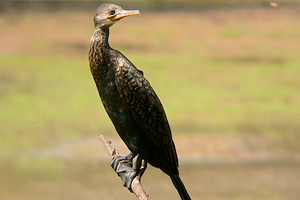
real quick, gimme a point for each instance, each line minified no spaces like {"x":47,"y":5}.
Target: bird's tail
{"x":180,"y":187}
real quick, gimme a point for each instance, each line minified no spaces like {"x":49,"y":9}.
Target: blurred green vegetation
{"x":150,"y":5}
{"x":218,"y":73}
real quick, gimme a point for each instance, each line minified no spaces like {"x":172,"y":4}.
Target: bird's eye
{"x":112,"y":12}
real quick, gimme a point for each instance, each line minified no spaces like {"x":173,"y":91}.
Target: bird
{"x":131,"y":103}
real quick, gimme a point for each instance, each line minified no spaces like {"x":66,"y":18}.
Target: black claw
{"x":121,"y":171}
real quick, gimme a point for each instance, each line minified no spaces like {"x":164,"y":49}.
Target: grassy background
{"x":228,"y":79}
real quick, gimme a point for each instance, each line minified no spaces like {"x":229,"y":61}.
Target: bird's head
{"x":107,"y":14}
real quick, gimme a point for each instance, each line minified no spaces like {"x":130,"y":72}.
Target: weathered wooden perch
{"x":136,"y":185}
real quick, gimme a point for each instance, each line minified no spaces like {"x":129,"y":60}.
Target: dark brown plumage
{"x":129,"y":99}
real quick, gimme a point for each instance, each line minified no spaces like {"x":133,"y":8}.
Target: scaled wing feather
{"x":147,"y":110}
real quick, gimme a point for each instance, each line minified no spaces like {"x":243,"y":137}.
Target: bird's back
{"x":136,"y":111}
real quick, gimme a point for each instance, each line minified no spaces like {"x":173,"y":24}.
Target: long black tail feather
{"x":180,"y":187}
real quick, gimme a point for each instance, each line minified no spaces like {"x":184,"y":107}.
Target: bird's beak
{"x":123,"y":13}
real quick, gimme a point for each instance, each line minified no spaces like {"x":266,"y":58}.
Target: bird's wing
{"x":147,"y":110}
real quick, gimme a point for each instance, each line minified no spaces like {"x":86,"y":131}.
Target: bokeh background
{"x":227,"y":72}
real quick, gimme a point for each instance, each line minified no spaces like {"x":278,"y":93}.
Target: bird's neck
{"x":99,"y":49}
{"x":100,"y":38}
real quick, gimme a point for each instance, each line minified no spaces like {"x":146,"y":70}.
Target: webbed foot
{"x":123,"y":165}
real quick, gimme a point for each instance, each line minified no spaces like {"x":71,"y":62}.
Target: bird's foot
{"x":123,"y":165}
{"x":122,"y":160}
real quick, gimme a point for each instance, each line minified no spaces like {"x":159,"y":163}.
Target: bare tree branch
{"x":136,"y":185}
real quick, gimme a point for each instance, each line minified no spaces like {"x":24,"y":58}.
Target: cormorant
{"x":131,"y":103}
